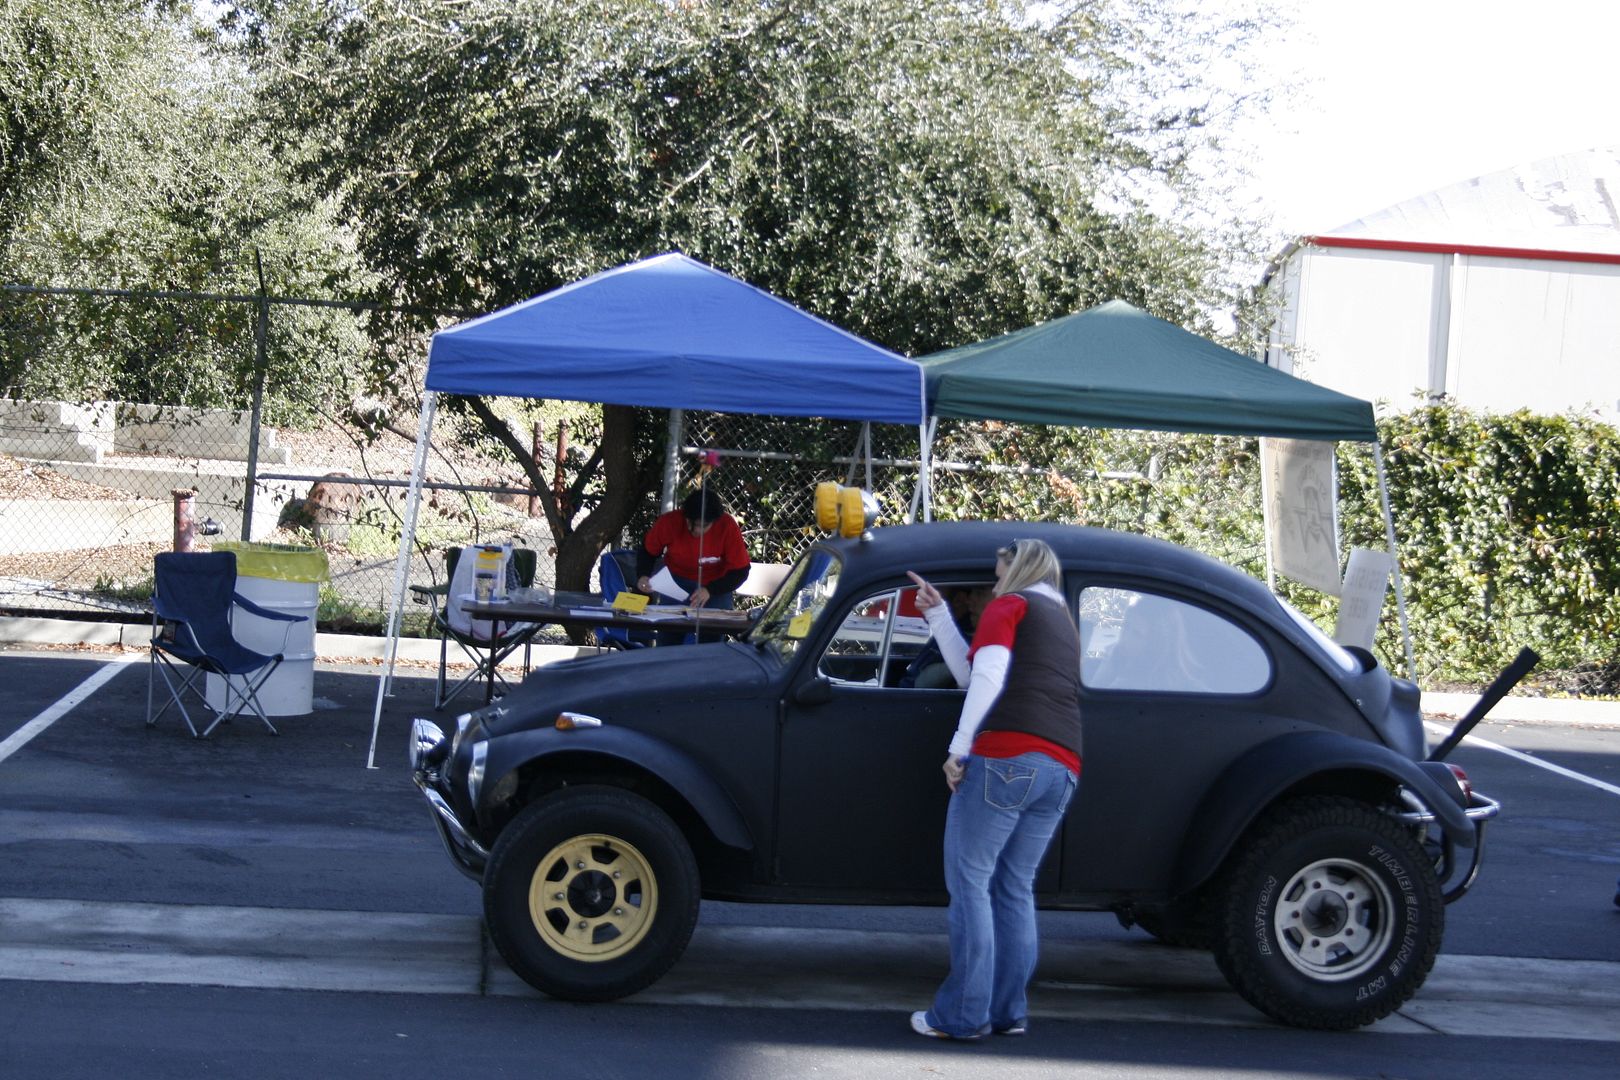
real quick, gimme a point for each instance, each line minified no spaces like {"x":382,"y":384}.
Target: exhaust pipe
{"x":1507,"y":680}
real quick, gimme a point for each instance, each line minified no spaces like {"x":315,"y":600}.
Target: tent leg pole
{"x":854,"y":460}
{"x":925,"y":467}
{"x":866,"y":444}
{"x":1265,"y":515}
{"x":407,"y":540}
{"x":672,"y":458}
{"x":922,"y":473}
{"x":1394,"y":560}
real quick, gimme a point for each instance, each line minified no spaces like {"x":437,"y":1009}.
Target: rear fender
{"x":636,"y":749}
{"x":1255,"y":780}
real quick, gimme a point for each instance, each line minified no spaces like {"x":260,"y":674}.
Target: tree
{"x":922,"y":172}
{"x":125,"y":162}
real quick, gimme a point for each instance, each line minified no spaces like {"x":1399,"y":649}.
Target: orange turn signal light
{"x":570,"y":721}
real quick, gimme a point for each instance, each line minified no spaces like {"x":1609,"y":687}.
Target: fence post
{"x":672,"y":460}
{"x":260,"y":331}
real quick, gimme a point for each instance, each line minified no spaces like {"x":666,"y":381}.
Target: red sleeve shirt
{"x":999,"y":623}
{"x":718,"y":552}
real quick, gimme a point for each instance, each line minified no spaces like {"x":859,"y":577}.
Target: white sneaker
{"x":920,"y":1024}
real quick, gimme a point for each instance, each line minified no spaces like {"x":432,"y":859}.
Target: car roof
{"x":944,"y":545}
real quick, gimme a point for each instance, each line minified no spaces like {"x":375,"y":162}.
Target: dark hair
{"x":702,"y":506}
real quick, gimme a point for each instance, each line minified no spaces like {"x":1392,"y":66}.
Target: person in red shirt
{"x":702,"y":548}
{"x":1013,"y":765}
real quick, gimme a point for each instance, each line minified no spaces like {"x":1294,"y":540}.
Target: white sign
{"x":1302,"y":511}
{"x":1362,"y":600}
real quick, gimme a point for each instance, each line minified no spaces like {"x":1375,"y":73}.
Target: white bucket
{"x":291,"y":690}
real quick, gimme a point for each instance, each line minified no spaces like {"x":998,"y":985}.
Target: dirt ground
{"x":22,"y":480}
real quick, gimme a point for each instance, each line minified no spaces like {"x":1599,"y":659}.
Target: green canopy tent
{"x":1117,"y":366}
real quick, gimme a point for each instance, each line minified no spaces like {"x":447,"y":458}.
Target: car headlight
{"x":428,"y":747}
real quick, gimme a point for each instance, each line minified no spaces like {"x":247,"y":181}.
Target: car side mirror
{"x":817,"y":691}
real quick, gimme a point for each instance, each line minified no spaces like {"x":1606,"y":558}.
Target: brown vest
{"x":1042,"y":692}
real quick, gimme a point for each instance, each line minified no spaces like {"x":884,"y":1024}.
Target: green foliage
{"x":136,"y":591}
{"x":1507,"y":527}
{"x":127,"y":162}
{"x":1506,"y":524}
{"x":923,"y":172}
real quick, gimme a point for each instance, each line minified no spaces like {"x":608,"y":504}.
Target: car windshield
{"x":1336,"y":652}
{"x":793,"y":610}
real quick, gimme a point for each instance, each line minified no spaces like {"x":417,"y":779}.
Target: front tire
{"x":591,"y":894}
{"x":1331,"y":915}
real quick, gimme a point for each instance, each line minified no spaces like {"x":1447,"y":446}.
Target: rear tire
{"x":1331,"y":915}
{"x":591,"y":894}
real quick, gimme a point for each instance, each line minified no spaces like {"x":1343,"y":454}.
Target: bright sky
{"x":1405,"y":96}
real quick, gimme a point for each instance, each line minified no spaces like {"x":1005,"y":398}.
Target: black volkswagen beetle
{"x":1249,"y":786}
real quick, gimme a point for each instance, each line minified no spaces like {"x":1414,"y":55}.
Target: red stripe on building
{"x":1541,"y":254}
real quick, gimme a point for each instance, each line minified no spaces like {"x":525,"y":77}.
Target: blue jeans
{"x":1000,"y":821}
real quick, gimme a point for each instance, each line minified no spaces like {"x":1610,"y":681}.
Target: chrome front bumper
{"x":427,"y":752}
{"x":467,"y":853}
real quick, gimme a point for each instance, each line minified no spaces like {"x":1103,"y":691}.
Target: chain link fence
{"x":284,"y":445}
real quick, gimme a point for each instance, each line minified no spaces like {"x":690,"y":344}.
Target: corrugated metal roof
{"x":1566,"y":203}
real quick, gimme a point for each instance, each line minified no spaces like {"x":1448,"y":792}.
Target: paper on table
{"x":663,"y":583}
{"x":653,"y":614}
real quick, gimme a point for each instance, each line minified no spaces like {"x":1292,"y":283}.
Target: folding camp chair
{"x":486,"y":652}
{"x":614,"y":570}
{"x":192,"y":608}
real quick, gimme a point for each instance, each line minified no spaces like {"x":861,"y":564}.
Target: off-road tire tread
{"x":1234,"y":921}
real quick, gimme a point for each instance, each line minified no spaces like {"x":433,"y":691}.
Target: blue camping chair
{"x":192,"y":605}
{"x":616,"y":569}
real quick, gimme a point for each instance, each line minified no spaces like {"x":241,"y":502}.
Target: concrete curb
{"x":1528,"y":710}
{"x":126,"y":943}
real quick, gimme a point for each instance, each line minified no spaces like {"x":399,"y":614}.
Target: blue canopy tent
{"x":666,"y":332}
{"x":670,"y":332}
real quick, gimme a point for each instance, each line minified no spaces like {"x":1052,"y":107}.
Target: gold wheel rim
{"x":593,"y":897}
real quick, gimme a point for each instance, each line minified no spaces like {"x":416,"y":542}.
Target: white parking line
{"x":21,"y":737}
{"x":1520,"y":755}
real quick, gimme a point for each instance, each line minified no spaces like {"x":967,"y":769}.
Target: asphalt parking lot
{"x":142,"y":856}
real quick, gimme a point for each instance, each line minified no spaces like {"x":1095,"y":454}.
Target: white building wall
{"x":1493,"y":333}
{"x":1538,"y":335}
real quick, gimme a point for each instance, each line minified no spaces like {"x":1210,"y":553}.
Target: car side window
{"x":880,"y":641}
{"x":1143,"y":641}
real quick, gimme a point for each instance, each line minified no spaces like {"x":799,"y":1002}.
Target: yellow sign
{"x":634,"y":603}
{"x":799,"y":626}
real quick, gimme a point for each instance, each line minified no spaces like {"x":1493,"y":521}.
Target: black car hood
{"x":612,"y":682}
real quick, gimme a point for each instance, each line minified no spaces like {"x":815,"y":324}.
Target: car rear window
{"x":1147,"y":642}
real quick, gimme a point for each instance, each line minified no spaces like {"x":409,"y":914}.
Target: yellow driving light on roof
{"x":847,"y":511}
{"x":827,"y":506}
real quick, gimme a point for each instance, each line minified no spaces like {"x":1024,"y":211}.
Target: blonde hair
{"x":1029,"y":562}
